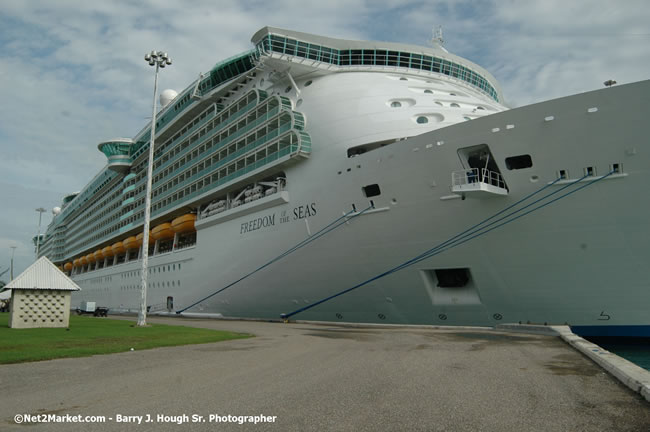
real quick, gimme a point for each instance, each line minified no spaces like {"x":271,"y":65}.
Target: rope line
{"x":465,"y":236}
{"x":326,"y":229}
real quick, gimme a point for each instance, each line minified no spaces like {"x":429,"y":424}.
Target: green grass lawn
{"x":89,"y":336}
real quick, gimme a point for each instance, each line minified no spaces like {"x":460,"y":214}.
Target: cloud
{"x":72,"y":72}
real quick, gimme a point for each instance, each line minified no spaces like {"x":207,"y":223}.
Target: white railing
{"x":477,"y":175}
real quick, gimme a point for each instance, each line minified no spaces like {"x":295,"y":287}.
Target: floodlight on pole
{"x":40,"y":210}
{"x":158,"y":59}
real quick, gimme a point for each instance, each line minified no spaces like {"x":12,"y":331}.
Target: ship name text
{"x":300,"y":212}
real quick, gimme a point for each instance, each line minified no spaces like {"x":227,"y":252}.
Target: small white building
{"x":40,"y":297}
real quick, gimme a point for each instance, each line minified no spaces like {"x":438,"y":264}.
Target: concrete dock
{"x":314,"y":377}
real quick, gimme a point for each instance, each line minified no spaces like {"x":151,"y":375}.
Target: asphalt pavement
{"x":319,"y":377}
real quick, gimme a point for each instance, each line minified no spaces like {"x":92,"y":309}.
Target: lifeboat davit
{"x":140,"y":236}
{"x":90,"y":258}
{"x":83,"y":261}
{"x":67,"y":266}
{"x":131,"y":243}
{"x":184,"y":223}
{"x":99,"y":255}
{"x":108,"y":252}
{"x":118,"y":248}
{"x":163,"y":231}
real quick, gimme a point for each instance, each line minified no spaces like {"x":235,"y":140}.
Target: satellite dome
{"x":167,"y":96}
{"x":56,"y":211}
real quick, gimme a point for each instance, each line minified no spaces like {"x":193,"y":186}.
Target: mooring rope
{"x":465,"y":236}
{"x":325,"y":230}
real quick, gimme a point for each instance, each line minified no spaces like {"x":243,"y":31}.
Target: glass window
{"x":422,"y":120}
{"x":395,"y":104}
{"x":380,"y":57}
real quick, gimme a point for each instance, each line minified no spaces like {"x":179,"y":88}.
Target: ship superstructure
{"x":309,"y":165}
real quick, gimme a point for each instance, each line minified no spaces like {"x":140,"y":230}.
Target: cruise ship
{"x":314,"y":178}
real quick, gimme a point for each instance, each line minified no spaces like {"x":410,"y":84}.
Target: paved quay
{"x":316,"y":377}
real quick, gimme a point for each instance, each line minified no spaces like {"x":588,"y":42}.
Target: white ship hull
{"x":581,"y":260}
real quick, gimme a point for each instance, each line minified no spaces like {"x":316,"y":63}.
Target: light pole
{"x":158,"y":59}
{"x":40,"y":210}
{"x":13,"y":249}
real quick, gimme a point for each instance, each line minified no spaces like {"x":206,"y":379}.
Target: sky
{"x":72,"y":72}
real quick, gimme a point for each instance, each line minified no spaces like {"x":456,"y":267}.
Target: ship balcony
{"x":118,"y":152}
{"x":478,"y":183}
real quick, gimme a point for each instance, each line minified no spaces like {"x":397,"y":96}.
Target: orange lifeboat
{"x":163,"y":231}
{"x":90,"y":258}
{"x":99,"y":255}
{"x":67,"y":266}
{"x":118,"y":248}
{"x":108,"y":252}
{"x":83,"y":261}
{"x":140,"y":236}
{"x":129,"y":243}
{"x":76,"y":263}
{"x":184,"y":223}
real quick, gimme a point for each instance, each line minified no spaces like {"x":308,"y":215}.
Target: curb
{"x":633,"y":376}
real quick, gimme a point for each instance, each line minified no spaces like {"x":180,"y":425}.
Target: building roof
{"x":43,"y":275}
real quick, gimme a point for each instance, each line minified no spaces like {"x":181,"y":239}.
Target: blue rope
{"x":326,"y":229}
{"x":466,"y":236}
{"x":520,"y":216}
{"x":469,"y":232}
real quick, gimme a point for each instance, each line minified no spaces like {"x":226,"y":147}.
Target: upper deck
{"x":340,"y":54}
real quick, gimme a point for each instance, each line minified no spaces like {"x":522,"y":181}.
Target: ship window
{"x":371,"y":190}
{"x":590,"y":171}
{"x":395,"y":104}
{"x":454,"y":105}
{"x":519,"y":162}
{"x":422,"y":120}
{"x":616,"y":168}
{"x":428,"y":91}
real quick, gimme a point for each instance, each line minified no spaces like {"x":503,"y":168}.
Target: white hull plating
{"x":580,"y":260}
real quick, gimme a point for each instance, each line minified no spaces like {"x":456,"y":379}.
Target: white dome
{"x":56,"y":211}
{"x":167,"y":96}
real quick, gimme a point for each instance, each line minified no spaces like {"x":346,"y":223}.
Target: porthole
{"x":395,"y":104}
{"x":403,"y":79}
{"x":287,"y":90}
{"x":480,"y":108}
{"x":422,"y":120}
{"x":438,"y":103}
{"x":371,"y":190}
{"x":308,"y":83}
{"x":454,"y":105}
{"x":428,"y":91}
{"x":298,"y":103}
{"x":519,"y":162}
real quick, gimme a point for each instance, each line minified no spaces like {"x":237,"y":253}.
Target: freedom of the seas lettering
{"x":300,"y":212}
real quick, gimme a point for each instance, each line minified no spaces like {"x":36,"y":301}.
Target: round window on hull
{"x":428,"y":118}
